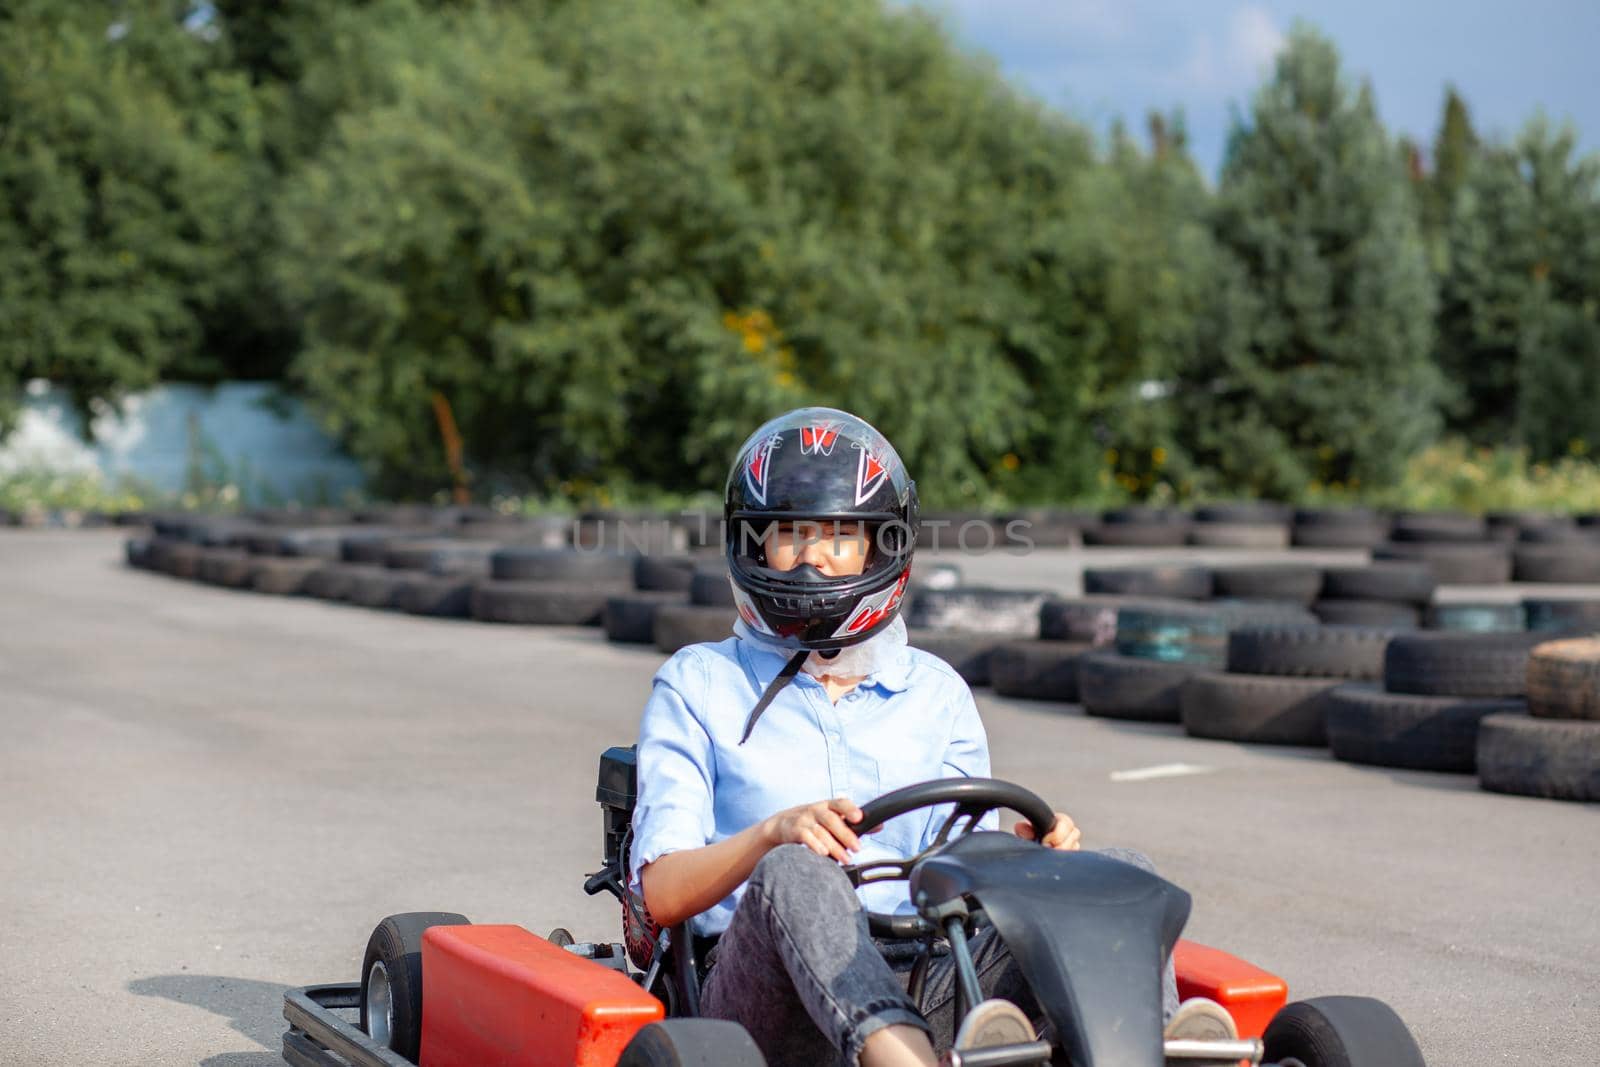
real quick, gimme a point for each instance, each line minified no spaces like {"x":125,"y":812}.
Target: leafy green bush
{"x":1456,"y":475}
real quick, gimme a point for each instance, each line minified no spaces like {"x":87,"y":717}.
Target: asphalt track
{"x":210,"y":796}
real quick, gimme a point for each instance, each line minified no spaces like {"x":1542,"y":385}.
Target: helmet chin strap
{"x":861,"y":659}
{"x":783,"y":678}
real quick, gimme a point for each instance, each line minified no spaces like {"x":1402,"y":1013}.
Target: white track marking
{"x":1160,"y":770}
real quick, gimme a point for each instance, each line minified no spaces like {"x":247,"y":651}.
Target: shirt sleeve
{"x":676,"y":768}
{"x":966,"y":755}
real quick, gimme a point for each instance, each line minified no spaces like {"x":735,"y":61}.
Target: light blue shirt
{"x":913,"y":720}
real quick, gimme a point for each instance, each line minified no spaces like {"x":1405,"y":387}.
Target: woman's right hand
{"x":823,"y":827}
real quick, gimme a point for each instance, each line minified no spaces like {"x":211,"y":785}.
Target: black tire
{"x":397,"y":945}
{"x":1046,"y":527}
{"x":1459,"y":665}
{"x":1296,"y":584}
{"x":544,"y":603}
{"x":468,"y":558}
{"x":370,"y":546}
{"x":1555,"y":534}
{"x":1407,"y":583}
{"x":1183,"y":633}
{"x":335,"y":581}
{"x":1339,"y":517}
{"x":1564,"y":679}
{"x":1256,"y":708}
{"x":1238,"y":535}
{"x":1247,"y":512}
{"x":1037,"y":670}
{"x":1368,"y":725}
{"x":1476,"y":618}
{"x":663,"y":573}
{"x":677,"y":625}
{"x":181,"y":559}
{"x":230,"y":568}
{"x":1383,"y":614}
{"x":284,"y":577}
{"x":1439,"y":526}
{"x":1562,"y":614}
{"x":1554,"y":758}
{"x":692,"y":1043}
{"x":517,"y":563}
{"x":441,"y":596}
{"x":631,"y":617}
{"x":1341,"y":1032}
{"x":711,"y":587}
{"x":1137,"y":534}
{"x":380,"y":589}
{"x":1144,"y":515}
{"x":1353,"y":653}
{"x":1090,"y":619}
{"x":968,"y":653}
{"x":1454,"y":563}
{"x":1329,"y":535}
{"x":1009,"y":612}
{"x":137,"y":551}
{"x":1177,"y":583}
{"x":1121,"y":687}
{"x":1568,"y":564}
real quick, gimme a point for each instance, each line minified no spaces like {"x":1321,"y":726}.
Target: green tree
{"x":1558,"y":350}
{"x":1318,"y":362}
{"x":616,"y":236}
{"x":122,"y":187}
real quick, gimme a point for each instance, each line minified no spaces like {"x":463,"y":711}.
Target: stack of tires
{"x":1158,"y":649}
{"x":1456,"y":547}
{"x":1551,"y":548}
{"x":1389,"y":595}
{"x":966,"y":625}
{"x":707,"y":615}
{"x":1275,"y":689}
{"x":1338,"y":528}
{"x":1256,"y":524}
{"x":550,"y":586}
{"x":1139,"y":527}
{"x":658,"y":582}
{"x":1437,"y":688}
{"x":1554,"y":751}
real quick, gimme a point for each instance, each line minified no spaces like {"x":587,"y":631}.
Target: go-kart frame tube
{"x":318,"y":1038}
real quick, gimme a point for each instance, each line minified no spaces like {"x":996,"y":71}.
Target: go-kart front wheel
{"x":391,"y":979}
{"x":692,"y":1043}
{"x":1340,"y":1032}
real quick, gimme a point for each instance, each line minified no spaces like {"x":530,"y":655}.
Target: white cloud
{"x":1250,"y":42}
{"x":1254,"y":41}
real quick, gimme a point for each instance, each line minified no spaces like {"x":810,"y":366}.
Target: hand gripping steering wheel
{"x":973,"y":799}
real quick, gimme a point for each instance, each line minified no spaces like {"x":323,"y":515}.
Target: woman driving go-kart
{"x":756,"y":752}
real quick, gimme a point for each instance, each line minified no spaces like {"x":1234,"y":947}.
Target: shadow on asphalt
{"x":253,"y":1008}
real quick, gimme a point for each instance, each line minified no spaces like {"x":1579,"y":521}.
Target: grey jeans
{"x":799,"y":970}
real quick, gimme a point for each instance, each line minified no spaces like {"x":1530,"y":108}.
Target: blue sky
{"x":1100,"y":59}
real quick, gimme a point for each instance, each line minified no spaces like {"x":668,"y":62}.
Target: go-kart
{"x":1090,"y":934}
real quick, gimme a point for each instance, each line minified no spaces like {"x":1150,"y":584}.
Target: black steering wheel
{"x":973,"y":799}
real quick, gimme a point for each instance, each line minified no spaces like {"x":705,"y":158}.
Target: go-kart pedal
{"x":1200,"y":1019}
{"x":995,"y":1031}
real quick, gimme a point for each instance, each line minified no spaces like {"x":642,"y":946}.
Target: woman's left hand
{"x":1063,"y":835}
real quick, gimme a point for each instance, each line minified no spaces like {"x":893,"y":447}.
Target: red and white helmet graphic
{"x":760,"y":465}
{"x":818,"y":440}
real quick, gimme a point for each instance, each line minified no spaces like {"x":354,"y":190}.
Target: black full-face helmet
{"x":817,"y":467}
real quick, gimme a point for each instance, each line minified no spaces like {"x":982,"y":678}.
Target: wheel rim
{"x":380,"y":1005}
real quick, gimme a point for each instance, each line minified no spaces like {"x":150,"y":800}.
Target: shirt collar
{"x":763,"y":665}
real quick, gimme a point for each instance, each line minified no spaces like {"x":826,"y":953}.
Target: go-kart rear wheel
{"x":692,"y":1043}
{"x":391,"y":979}
{"x":1340,"y":1032}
